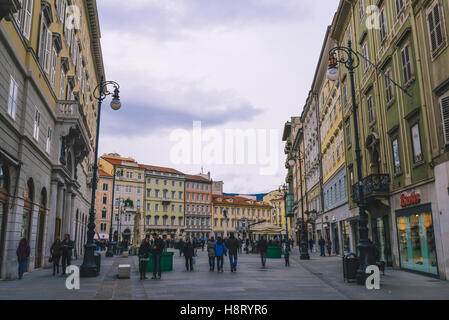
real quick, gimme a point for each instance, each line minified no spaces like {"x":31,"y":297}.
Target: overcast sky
{"x":231,"y":64}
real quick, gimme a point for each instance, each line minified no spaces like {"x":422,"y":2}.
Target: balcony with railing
{"x":373,"y":186}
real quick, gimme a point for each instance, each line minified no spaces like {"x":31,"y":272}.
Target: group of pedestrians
{"x":323,"y":245}
{"x":59,"y":250}
{"x":156,"y":247}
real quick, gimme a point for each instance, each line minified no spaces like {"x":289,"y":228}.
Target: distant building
{"x":198,"y":206}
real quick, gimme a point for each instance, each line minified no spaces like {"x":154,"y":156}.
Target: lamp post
{"x":225,"y":232}
{"x":350,"y":59}
{"x":303,"y":241}
{"x":89,"y":266}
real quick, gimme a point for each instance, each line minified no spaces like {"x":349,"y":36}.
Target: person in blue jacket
{"x":220,"y":251}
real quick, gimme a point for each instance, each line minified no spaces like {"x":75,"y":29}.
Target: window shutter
{"x":28,"y":13}
{"x":445,"y":116}
{"x":438,"y":29}
{"x":48,"y":47}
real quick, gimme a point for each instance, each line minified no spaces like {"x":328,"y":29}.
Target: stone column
{"x":51,"y":219}
{"x":67,"y":214}
{"x":72,"y":217}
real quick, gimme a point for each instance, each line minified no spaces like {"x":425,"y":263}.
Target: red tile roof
{"x":113,"y":161}
{"x":238,"y":201}
{"x":196,"y":178}
{"x":104,"y":174}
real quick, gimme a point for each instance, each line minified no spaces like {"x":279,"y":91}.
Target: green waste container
{"x":274,"y":252}
{"x":166,"y":262}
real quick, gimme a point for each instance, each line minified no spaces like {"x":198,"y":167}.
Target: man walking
{"x":233,"y":246}
{"x":156,"y":249}
{"x":220,"y":250}
{"x":321,"y":243}
{"x":211,"y":253}
{"x":144,"y":256}
{"x":262,"y":247}
{"x":67,"y":247}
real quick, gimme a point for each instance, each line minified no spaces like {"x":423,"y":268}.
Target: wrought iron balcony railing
{"x":375,"y":185}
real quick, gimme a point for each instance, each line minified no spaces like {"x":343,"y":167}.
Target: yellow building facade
{"x":236,"y":209}
{"x":128,"y":197}
{"x":164,"y":201}
{"x":276,"y":200}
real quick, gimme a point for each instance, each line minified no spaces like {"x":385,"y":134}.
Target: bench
{"x":124,"y":271}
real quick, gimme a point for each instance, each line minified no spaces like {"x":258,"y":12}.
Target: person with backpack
{"x":211,"y":253}
{"x":220,"y":251}
{"x":56,"y":253}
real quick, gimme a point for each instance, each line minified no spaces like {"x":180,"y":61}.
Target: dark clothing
{"x":212,"y":263}
{"x":144,"y":250}
{"x":158,"y":246}
{"x":189,"y":262}
{"x":67,"y":247}
{"x":56,"y":253}
{"x":188,"y":250}
{"x":321,"y":242}
{"x":262,"y":246}
{"x":157,"y":267}
{"x":219,"y":263}
{"x":23,"y":252}
{"x":233,"y":246}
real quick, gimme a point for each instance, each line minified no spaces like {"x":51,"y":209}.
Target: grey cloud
{"x":165,"y":19}
{"x":138,"y":118}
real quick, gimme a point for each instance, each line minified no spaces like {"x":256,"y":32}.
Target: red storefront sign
{"x":412,"y":199}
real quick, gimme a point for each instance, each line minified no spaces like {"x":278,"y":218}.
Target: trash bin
{"x":166,"y":262}
{"x":98,"y":261}
{"x":274,"y":252}
{"x":350,"y":266}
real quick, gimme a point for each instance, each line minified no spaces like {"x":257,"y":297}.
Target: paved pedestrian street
{"x":319,"y":278}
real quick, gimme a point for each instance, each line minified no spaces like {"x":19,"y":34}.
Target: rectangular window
{"x":61,"y":85}
{"x":37,"y":122}
{"x":371,"y":109}
{"x":54,"y":60}
{"x":383,"y":25}
{"x":361,"y":10}
{"x":435,"y":28}
{"x":444,"y":104}
{"x":365,"y":53}
{"x":348,"y":135}
{"x":48,"y":145}
{"x":400,"y":6}
{"x":416,"y":142}
{"x":45,"y":46}
{"x":396,"y":156}
{"x":406,"y":64}
{"x":388,"y":87}
{"x":12,"y":99}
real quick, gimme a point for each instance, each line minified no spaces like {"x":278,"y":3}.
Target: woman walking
{"x":144,"y":256}
{"x":56,"y":253}
{"x":220,"y":250}
{"x":189,"y":252}
{"x":211,"y":253}
{"x":23,"y":253}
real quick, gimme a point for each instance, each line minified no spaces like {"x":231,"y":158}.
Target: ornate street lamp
{"x":284,"y":190}
{"x":350,"y":59}
{"x":89,"y":266}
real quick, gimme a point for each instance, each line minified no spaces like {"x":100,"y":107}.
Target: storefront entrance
{"x":417,"y":239}
{"x":381,"y":238}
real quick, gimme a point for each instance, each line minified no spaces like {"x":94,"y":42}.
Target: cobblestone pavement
{"x":319,"y":278}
